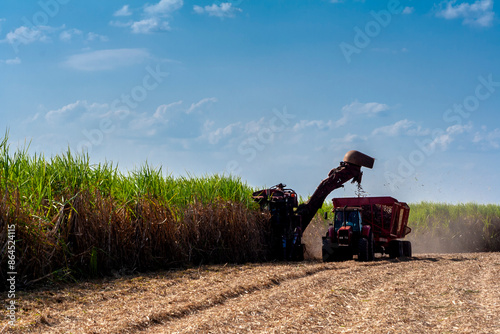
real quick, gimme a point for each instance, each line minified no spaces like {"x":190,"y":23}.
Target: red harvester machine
{"x":363,"y":226}
{"x":289,"y":219}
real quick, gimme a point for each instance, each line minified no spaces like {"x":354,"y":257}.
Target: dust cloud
{"x":312,"y":238}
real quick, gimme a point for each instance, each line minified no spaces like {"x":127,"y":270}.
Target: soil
{"x":428,"y":293}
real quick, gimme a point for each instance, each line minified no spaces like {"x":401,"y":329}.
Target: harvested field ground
{"x":432,"y":293}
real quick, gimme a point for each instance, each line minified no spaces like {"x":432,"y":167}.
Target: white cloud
{"x":120,"y":24}
{"x":163,"y":7}
{"x":253,"y":127}
{"x":67,"y":35}
{"x":349,"y":138}
{"x":408,"y":10}
{"x":124,"y":11}
{"x":350,"y":112}
{"x":200,"y":103}
{"x":91,"y":36}
{"x":225,"y":9}
{"x":445,"y":139}
{"x":165,"y":109}
{"x":173,"y":121}
{"x":215,"y":136}
{"x":341,"y":144}
{"x":150,"y":25}
{"x":356,"y":108}
{"x":320,"y":124}
{"x":404,"y":126}
{"x":488,"y":139}
{"x":106,"y":59}
{"x":25,"y":35}
{"x":13,"y":61}
{"x":479,"y":13}
{"x":75,"y":111}
{"x":154,"y":17}
{"x":394,"y":129}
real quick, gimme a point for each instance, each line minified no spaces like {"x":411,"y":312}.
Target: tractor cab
{"x":347,"y":227}
{"x":348,"y":217}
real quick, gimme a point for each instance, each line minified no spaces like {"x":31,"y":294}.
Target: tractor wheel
{"x":298,"y":252}
{"x":328,"y":251}
{"x":371,"y":250}
{"x":347,"y":255}
{"x":406,"y":248}
{"x":327,"y":257}
{"x":395,"y":249}
{"x":363,"y":249}
{"x":344,"y":254}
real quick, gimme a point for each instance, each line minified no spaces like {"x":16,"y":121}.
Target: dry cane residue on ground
{"x":452,"y":293}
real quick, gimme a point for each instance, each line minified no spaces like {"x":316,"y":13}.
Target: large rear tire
{"x":407,"y":248}
{"x":371,"y":249}
{"x":363,"y":251}
{"x":395,"y":249}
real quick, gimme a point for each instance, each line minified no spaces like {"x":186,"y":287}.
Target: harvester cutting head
{"x":278,"y":195}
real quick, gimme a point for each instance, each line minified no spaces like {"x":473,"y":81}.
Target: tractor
{"x":363,"y":226}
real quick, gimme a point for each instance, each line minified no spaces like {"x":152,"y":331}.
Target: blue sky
{"x":272,"y":91}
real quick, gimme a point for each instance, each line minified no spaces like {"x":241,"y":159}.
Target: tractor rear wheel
{"x":363,"y":249}
{"x":371,"y":249}
{"x":395,"y":249}
{"x":406,"y":248}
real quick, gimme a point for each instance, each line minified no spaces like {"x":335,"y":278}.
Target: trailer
{"x":364,"y":226}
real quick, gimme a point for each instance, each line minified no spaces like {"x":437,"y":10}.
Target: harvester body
{"x":364,"y":226}
{"x":286,"y":231}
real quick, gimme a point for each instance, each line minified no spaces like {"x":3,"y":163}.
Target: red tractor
{"x":364,"y":226}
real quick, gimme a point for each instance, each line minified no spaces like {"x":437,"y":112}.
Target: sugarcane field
{"x":236,"y":166}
